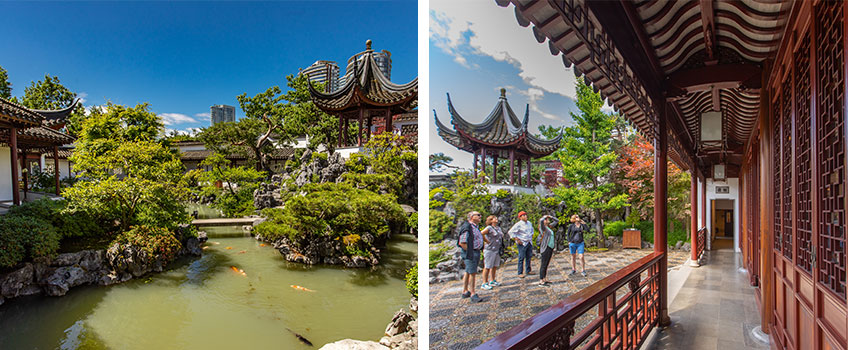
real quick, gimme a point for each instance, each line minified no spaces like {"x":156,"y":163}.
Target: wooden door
{"x":809,"y":182}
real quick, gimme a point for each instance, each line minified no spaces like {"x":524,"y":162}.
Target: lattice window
{"x":831,"y":147}
{"x":786,"y":148}
{"x":803,"y":173}
{"x":778,"y":227}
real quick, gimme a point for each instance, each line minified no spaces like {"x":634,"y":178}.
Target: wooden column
{"x":389,"y":127}
{"x":529,"y":165}
{"x":661,"y":212}
{"x":13,"y":144}
{"x":475,"y":164}
{"x":368,"y":127}
{"x":693,"y":216}
{"x":341,"y":129}
{"x":495,"y":168}
{"x":707,"y":239}
{"x":519,"y":172}
{"x":511,"y":165}
{"x":359,"y":130}
{"x":56,"y":167}
{"x":483,"y":163}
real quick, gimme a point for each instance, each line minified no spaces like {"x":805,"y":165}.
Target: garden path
{"x":456,"y":323}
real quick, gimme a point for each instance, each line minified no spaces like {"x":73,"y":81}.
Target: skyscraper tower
{"x":326,"y":72}
{"x":222,"y":113}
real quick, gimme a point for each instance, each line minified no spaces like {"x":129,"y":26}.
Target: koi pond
{"x":241,"y":294}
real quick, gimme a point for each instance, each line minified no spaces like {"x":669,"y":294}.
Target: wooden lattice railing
{"x":702,"y":243}
{"x":627,"y":306}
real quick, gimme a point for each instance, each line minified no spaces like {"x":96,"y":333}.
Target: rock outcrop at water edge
{"x":325,"y":250}
{"x":56,"y":276}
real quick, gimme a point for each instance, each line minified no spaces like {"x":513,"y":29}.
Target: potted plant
{"x":632,"y":237}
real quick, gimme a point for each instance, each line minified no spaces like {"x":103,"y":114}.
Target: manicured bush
{"x":25,"y":237}
{"x":156,"y":241}
{"x":378,"y":183}
{"x":412,"y":222}
{"x":67,"y":224}
{"x":335,"y":210}
{"x":440,"y":225}
{"x":679,"y":233}
{"x":615,"y":228}
{"x":412,"y":280}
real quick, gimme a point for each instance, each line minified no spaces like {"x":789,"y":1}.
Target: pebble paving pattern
{"x":457,"y":324}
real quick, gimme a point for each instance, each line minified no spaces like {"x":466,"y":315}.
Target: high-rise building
{"x":382,"y":58}
{"x":222,"y":113}
{"x":326,"y":72}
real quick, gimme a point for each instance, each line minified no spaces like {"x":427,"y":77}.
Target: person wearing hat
{"x":522,"y":234}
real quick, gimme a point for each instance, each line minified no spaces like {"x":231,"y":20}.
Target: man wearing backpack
{"x":522,"y":233}
{"x":471,"y":242}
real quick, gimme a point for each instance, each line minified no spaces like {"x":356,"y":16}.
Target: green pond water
{"x":202,"y":303}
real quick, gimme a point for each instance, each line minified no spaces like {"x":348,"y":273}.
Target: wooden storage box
{"x":632,"y":238}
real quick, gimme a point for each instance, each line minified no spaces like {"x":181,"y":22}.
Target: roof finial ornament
{"x":503,"y":93}
{"x":368,"y":45}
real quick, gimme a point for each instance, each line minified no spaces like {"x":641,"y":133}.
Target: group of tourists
{"x":489,"y":242}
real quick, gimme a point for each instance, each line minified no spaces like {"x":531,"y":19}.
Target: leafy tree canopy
{"x":5,"y":85}
{"x":588,"y":158}
{"x":51,"y":94}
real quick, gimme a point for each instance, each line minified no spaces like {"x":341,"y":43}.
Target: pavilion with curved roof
{"x":500,"y":135}
{"x":23,"y":129}
{"x":366,"y":93}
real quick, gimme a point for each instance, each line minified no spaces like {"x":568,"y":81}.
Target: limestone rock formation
{"x":325,"y":250}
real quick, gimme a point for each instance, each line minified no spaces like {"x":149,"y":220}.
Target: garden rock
{"x":413,"y":304}
{"x":326,"y":250}
{"x":686,"y":246}
{"x":449,"y":210}
{"x":267,"y":195}
{"x":19,"y":282}
{"x":64,"y":278}
{"x":678,"y":245}
{"x":350,"y":344}
{"x":399,"y":324}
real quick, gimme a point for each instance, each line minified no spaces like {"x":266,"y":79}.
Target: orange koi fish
{"x":228,"y":248}
{"x":238,"y":270}
{"x":242,"y":252}
{"x":302,"y":288}
{"x":261,"y":244}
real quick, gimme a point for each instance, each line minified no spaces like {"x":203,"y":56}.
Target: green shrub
{"x":26,"y":237}
{"x":502,"y":193}
{"x":447,"y":196}
{"x":438,"y":253}
{"x":440,"y":225}
{"x":66,"y":223}
{"x":679,"y":232}
{"x":614,"y":228}
{"x":378,"y":183}
{"x":335,"y":210}
{"x":319,"y":155}
{"x":412,"y":280}
{"x":412,"y":222}
{"x":156,"y":241}
{"x":357,"y":163}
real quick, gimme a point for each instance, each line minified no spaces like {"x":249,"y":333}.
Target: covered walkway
{"x":714,"y":309}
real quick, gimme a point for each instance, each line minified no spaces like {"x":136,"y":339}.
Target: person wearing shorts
{"x":576,"y":245}
{"x":471,"y":242}
{"x":493,"y":236}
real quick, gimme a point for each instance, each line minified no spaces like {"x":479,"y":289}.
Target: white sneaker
{"x":486,"y":286}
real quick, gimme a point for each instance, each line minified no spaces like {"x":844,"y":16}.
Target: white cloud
{"x":89,"y":109}
{"x":534,"y":95}
{"x":483,"y":28}
{"x":81,"y":96}
{"x":186,"y":131}
{"x":176,"y":118}
{"x":203,"y":116}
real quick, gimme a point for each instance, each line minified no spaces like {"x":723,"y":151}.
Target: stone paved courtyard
{"x":517,"y":299}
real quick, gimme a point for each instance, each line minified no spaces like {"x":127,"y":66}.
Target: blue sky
{"x":183,"y":57}
{"x":477,"y":47}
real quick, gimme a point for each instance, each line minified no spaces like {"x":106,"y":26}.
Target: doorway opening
{"x":722,"y":224}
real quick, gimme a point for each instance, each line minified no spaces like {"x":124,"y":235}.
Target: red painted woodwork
{"x":623,"y":308}
{"x":803,"y":173}
{"x":56,"y":167}
{"x":13,"y":145}
{"x":702,"y":243}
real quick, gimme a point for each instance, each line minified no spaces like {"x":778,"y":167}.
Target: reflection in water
{"x":203,"y":304}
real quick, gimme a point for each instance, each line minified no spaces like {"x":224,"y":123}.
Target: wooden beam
{"x":13,"y":145}
{"x":661,"y":209}
{"x":716,"y":99}
{"x":56,"y":167}
{"x":708,"y":27}
{"x":725,"y":76}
